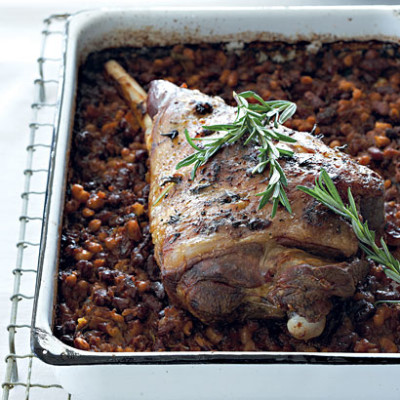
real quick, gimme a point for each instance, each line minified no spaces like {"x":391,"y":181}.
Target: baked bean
{"x":357,"y":93}
{"x":138,"y":209}
{"x":110,"y":243}
{"x":71,"y":280}
{"x":82,"y":322}
{"x":306,"y":80}
{"x":213,"y":335}
{"x":388,"y":346}
{"x":95,"y":202}
{"x":81,"y":343}
{"x":334,"y":143}
{"x":391,"y":153}
{"x":387,"y":183}
{"x":143,"y":286}
{"x":348,"y":60}
{"x":79,"y":193}
{"x":100,"y":262}
{"x":113,"y":331}
{"x":187,"y":328}
{"x":346,"y":85}
{"x":232,"y":80}
{"x":188,"y":53}
{"x":94,"y":247}
{"x":224,"y":76}
{"x":380,"y":316}
{"x":133,"y":229}
{"x":382,"y":141}
{"x":71,"y":206}
{"x":82,"y":254}
{"x":87,"y":212}
{"x":394,"y":113}
{"x":382,"y":125}
{"x":95,"y":225}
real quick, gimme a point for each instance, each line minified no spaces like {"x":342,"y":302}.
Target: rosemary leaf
{"x":163,"y":193}
{"x":259,"y":123}
{"x":326,"y":193}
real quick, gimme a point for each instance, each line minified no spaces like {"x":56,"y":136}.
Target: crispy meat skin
{"x":222,"y":258}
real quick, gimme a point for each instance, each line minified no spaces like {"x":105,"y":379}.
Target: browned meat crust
{"x":221,"y":257}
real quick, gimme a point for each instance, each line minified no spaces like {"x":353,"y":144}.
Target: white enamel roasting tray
{"x":198,"y":375}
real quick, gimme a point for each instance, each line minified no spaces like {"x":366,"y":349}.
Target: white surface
{"x":20,"y":27}
{"x":255,"y":382}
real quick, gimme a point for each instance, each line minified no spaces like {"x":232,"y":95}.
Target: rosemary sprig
{"x":326,"y":193}
{"x":257,"y":122}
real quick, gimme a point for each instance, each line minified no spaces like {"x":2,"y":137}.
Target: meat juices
{"x":223,"y":259}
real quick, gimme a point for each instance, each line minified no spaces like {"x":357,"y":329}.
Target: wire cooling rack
{"x":27,"y":377}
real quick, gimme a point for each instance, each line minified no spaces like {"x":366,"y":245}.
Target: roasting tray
{"x":199,"y":375}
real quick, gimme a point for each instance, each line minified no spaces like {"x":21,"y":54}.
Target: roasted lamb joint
{"x":221,"y":258}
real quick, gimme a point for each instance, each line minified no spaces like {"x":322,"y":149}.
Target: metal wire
{"x":53,"y":26}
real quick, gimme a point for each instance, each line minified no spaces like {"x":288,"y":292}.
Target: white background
{"x":20,"y":27}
